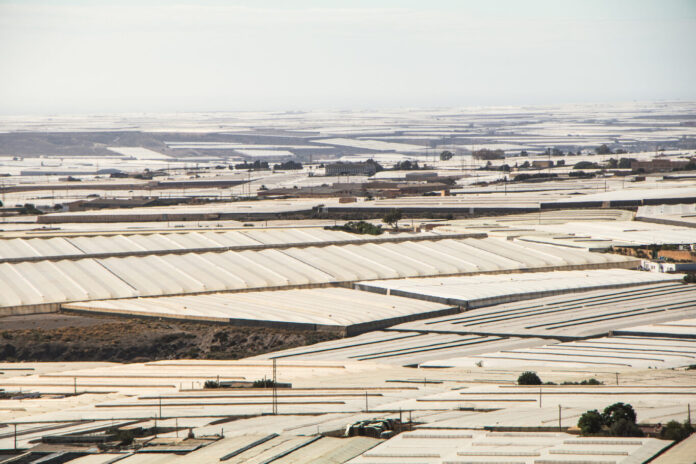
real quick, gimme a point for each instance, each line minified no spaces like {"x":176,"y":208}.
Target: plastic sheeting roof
{"x":682,"y":214}
{"x":400,"y":348}
{"x":261,"y":206}
{"x":483,"y":290}
{"x":29,"y":283}
{"x":57,"y":247}
{"x":620,"y":232}
{"x":606,"y":352}
{"x":438,"y":446}
{"x":682,"y":329}
{"x":568,"y":316}
{"x":326,"y":306}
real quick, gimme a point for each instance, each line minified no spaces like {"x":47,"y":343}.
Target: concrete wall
{"x":29,"y":309}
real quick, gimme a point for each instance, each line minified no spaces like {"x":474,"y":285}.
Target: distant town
{"x":447,"y":285}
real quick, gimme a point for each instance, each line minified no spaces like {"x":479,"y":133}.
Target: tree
{"x":581,"y":174}
{"x":525,"y":164}
{"x":586,"y":165}
{"x":446,"y":155}
{"x":392,"y":218}
{"x":603,"y":150}
{"x":486,"y":154}
{"x":263,"y":383}
{"x":528,"y":378}
{"x":560,"y":163}
{"x":625,"y":428}
{"x":675,"y":431}
{"x":358,"y":227}
{"x":590,"y":422}
{"x":617,"y":420}
{"x":378,"y":167}
{"x":406,"y":166}
{"x":288,"y":165}
{"x":625,"y":163}
{"x":612,"y":163}
{"x":617,"y":411}
{"x":256,"y":165}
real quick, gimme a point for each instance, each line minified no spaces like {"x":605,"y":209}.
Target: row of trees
{"x":486,"y":154}
{"x":288,"y":166}
{"x":619,"y":420}
{"x":603,"y":149}
{"x":358,"y":227}
{"x":482,"y":154}
{"x":616,"y":420}
{"x":258,"y":165}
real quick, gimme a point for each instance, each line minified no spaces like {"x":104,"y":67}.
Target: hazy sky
{"x":112,"y":56}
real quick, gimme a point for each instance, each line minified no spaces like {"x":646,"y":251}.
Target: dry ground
{"x":65,"y":337}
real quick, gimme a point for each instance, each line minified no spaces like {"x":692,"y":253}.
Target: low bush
{"x":358,"y":227}
{"x":263,"y":383}
{"x":591,"y":381}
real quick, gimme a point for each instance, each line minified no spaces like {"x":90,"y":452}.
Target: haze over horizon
{"x":155,"y":56}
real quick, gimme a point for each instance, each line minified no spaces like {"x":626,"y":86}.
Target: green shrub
{"x":586,"y":165}
{"x":393,"y":217}
{"x":125,"y":437}
{"x":263,"y":383}
{"x":625,"y":428}
{"x":591,"y":422}
{"x":675,"y":431}
{"x":591,"y":381}
{"x":358,"y":227}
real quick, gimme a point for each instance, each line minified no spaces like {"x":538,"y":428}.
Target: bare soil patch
{"x":63,"y":337}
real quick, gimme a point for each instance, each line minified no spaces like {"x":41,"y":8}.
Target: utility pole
{"x":539,"y":396}
{"x":617,"y":378}
{"x":275,"y":389}
{"x":366,"y":408}
{"x":15,"y":436}
{"x":160,"y":406}
{"x":559,"y":418}
{"x":75,"y":385}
